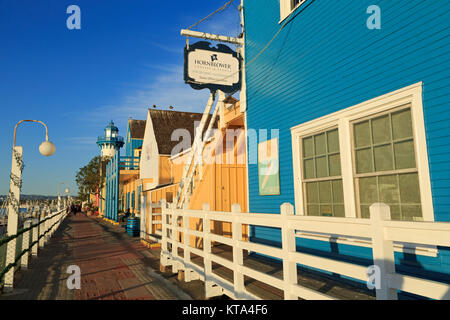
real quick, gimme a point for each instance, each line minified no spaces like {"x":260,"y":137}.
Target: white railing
{"x":379,"y":229}
{"x":35,"y":234}
{"x":147,"y":234}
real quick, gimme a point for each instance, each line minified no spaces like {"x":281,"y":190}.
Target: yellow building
{"x":220,"y":181}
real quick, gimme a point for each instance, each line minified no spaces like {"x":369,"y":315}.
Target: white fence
{"x":34,"y":236}
{"x":151,"y":215}
{"x":379,"y":230}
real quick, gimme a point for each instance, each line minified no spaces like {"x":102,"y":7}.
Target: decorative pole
{"x":47,"y":149}
{"x":13,"y":213}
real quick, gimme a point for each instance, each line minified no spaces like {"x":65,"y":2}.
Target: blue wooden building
{"x":359,"y":91}
{"x":122,"y":188}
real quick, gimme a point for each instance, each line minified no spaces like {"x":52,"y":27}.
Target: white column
{"x":288,"y":244}
{"x":164,"y":247}
{"x":13,"y":217}
{"x":35,"y":235}
{"x":41,"y":228}
{"x":207,"y":251}
{"x":25,"y":245}
{"x":383,"y":250}
{"x":186,"y":240}
{"x":143,"y":216}
{"x":174,"y":239}
{"x":238,"y":253}
{"x":48,"y":225}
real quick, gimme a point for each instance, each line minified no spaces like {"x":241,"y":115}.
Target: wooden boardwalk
{"x":113,"y":267}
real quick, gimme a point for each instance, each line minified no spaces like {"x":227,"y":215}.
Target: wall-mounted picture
{"x":268,"y":168}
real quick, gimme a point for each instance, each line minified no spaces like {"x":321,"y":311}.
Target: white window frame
{"x":286,"y":8}
{"x":343,"y":119}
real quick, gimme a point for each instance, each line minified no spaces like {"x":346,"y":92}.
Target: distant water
{"x":4,"y":213}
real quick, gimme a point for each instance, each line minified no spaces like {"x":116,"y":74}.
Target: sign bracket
{"x":213,"y":37}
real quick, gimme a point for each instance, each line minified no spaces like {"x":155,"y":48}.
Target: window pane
{"x":320,"y":144}
{"x":389,"y":191}
{"x":383,"y":158}
{"x":411,"y":213}
{"x":333,"y":141}
{"x":325,"y":192}
{"x":322,"y":168}
{"x":335,"y":165}
{"x":402,"y":124}
{"x":308,"y":147}
{"x":365,"y":213}
{"x":381,"y":129}
{"x":338,"y":191}
{"x":368,"y":193}
{"x":339,"y":211}
{"x":362,"y":134}
{"x":309,"y":169}
{"x":313,"y":210}
{"x":395,"y":212}
{"x":364,"y":161}
{"x":312,"y":194}
{"x":409,"y":188}
{"x":326,"y":210}
{"x":404,"y":155}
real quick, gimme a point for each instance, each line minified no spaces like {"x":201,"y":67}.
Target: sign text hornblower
{"x":213,"y":68}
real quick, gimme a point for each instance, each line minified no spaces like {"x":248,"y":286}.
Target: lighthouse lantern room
{"x":111,"y":141}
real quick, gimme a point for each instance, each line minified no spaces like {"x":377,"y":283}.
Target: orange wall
{"x":219,"y":185}
{"x":165,"y":170}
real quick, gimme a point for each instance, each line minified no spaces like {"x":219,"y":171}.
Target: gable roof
{"x":137,"y":128}
{"x":165,"y":122}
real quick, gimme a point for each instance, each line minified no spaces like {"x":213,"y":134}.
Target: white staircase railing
{"x":195,"y":156}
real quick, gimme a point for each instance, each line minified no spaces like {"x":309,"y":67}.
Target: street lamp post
{"x":59,"y":194}
{"x":47,"y":149}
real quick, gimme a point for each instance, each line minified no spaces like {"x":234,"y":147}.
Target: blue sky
{"x":127,"y":56}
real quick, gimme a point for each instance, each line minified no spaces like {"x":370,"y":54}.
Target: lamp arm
{"x":59,"y":185}
{"x":37,"y":121}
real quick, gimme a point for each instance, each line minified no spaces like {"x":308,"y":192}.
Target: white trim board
{"x":417,"y":249}
{"x":286,"y":8}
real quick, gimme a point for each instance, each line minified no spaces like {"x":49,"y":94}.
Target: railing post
{"x":41,"y":229}
{"x":25,"y":245}
{"x":174,"y":238}
{"x":238,"y":253}
{"x":47,"y":225}
{"x":207,"y":251}
{"x":383,"y":251}
{"x":35,"y":236}
{"x":186,"y":242}
{"x":164,"y":247}
{"x":55,"y":222}
{"x":150,"y":222}
{"x":288,"y":244}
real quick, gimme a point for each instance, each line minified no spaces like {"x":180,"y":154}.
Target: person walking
{"x":126,"y":215}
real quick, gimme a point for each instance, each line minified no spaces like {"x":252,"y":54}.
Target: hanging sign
{"x":213,"y":68}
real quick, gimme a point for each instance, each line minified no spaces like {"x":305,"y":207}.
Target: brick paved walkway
{"x":113,"y":266}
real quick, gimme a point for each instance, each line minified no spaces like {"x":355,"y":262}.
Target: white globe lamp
{"x":47,"y":148}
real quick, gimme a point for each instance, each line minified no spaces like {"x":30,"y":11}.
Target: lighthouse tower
{"x":111,"y":141}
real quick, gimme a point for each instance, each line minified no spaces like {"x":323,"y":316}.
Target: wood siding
{"x":325,"y":60}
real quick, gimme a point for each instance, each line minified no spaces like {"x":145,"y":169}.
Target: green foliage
{"x":90,"y":178}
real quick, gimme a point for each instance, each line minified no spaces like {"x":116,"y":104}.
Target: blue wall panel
{"x":326,"y":60}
